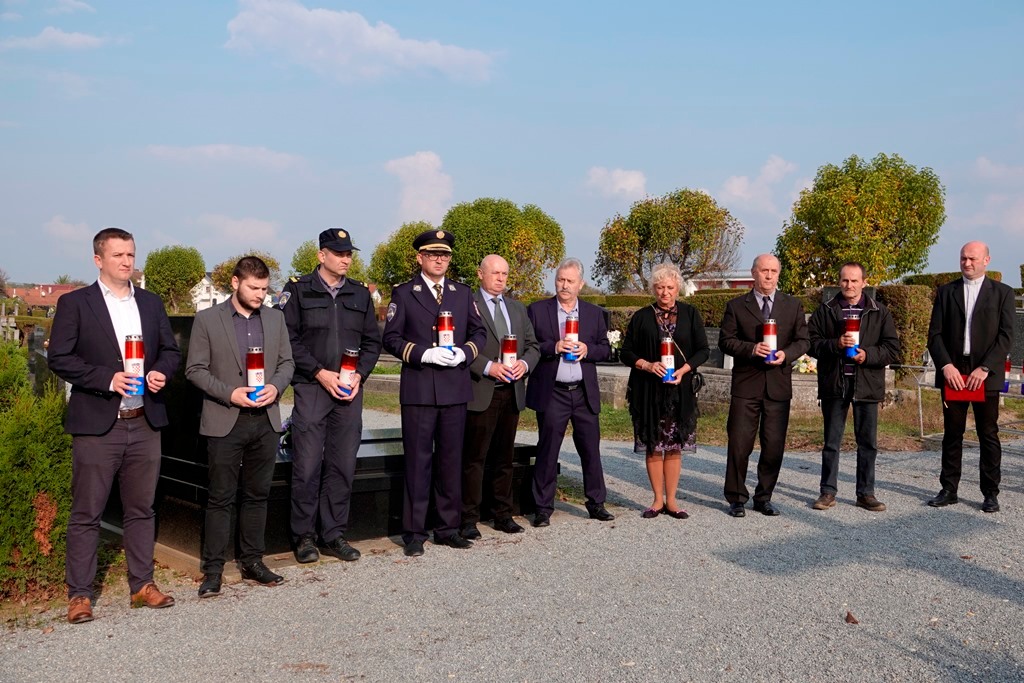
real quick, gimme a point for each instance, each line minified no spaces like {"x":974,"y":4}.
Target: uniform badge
{"x":392,"y":310}
{"x":451,"y":288}
{"x":283,"y":299}
{"x":440,"y":234}
{"x":417,"y":288}
{"x":342,"y":234}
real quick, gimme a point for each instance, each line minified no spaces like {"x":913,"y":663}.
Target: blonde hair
{"x":666,"y":271}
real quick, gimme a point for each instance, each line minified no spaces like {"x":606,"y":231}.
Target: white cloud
{"x":70,"y":7}
{"x":1002,"y":205}
{"x":344,"y":44}
{"x":9,"y":16}
{"x":426,"y":189}
{"x":67,"y":234}
{"x":617,"y":181}
{"x":757,"y":194}
{"x":72,"y":84}
{"x":236,"y":234}
{"x":53,"y":38}
{"x":986,"y":169}
{"x":237,"y":154}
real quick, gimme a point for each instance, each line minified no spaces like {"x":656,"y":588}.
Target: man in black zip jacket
{"x":851,"y":377}
{"x":327,"y":313}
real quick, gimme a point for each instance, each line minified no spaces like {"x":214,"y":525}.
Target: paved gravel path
{"x":938,"y":594}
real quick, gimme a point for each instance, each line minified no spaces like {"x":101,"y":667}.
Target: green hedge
{"x":35,"y":487}
{"x":596,"y":299}
{"x":624,"y":300}
{"x":712,"y":306}
{"x":618,"y":317}
{"x":911,"y":308}
{"x":935,"y":280}
{"x":810,"y":298}
{"x":723,"y":290}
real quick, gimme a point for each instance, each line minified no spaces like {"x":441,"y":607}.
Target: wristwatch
{"x":987,"y":371}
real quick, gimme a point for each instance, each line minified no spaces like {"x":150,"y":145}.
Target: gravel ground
{"x":937,"y":593}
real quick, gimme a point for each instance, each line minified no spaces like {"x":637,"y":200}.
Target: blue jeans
{"x":865,"y":429}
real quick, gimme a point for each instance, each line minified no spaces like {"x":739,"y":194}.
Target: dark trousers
{"x":249,"y":450}
{"x":954,"y":423}
{"x":326,"y":434}
{"x":564,"y":407}
{"x":747,"y":418}
{"x":432,"y":437}
{"x":865,"y":429}
{"x":130,"y":451}
{"x":490,"y":438}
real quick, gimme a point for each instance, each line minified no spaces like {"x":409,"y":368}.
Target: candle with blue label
{"x":572,"y":334}
{"x":349,"y":360}
{"x":771,"y":338}
{"x":668,"y":359}
{"x":134,"y":362}
{"x":853,"y":329}
{"x":446,"y":330}
{"x":1006,"y":378}
{"x":254,"y":371}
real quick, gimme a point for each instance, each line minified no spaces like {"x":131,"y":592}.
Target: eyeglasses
{"x":437,"y":255}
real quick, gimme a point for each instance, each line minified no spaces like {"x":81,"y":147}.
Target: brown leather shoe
{"x":150,"y":596}
{"x":825,"y":501}
{"x":79,"y":609}
{"x":870,"y":503}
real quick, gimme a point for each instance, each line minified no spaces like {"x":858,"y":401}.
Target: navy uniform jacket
{"x":411,"y":329}
{"x":321,"y":327}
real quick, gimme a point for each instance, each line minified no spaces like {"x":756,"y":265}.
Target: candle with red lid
{"x":349,"y":359}
{"x":853,"y":329}
{"x":254,"y":371}
{"x":509,"y":352}
{"x":572,"y":334}
{"x":771,"y":338}
{"x":668,"y":359}
{"x":135,"y":361}
{"x":446,"y":330}
{"x":1006,"y":378}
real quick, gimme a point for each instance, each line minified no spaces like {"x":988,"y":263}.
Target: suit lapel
{"x":553,"y":318}
{"x":225,"y":313}
{"x":485,"y":312}
{"x":425,"y":296}
{"x":958,"y":297}
{"x":750,"y":302}
{"x":99,"y":309}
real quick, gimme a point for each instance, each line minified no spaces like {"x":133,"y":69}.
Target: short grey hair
{"x":665,"y":271}
{"x":570,"y":263}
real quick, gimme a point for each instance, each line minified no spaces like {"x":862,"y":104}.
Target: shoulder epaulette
{"x":357,"y":282}
{"x":293,"y":278}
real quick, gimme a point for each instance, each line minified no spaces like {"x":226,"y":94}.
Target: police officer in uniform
{"x":435,"y":388}
{"x":327,"y":313}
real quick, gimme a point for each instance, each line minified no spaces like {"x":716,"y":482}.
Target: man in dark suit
{"x":563,"y":390}
{"x":761,"y":388}
{"x":241,"y":418}
{"x":499,"y":395}
{"x":115,"y":430}
{"x":970,"y":333}
{"x":435,"y":388}
{"x":327,"y":313}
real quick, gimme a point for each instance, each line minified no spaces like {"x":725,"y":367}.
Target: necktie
{"x":500,"y":325}
{"x":766,"y":308}
{"x":437,"y":288}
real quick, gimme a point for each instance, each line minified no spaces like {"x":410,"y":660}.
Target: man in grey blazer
{"x":241,"y":421}
{"x":499,"y":395}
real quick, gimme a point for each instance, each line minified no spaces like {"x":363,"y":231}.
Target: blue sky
{"x":257,"y":123}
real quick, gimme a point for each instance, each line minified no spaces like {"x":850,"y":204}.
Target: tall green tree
{"x":529,"y":239}
{"x":304,"y":261}
{"x":884,"y":213}
{"x":221,"y":273}
{"x":172,"y":272}
{"x":686,"y":227}
{"x":394,"y":260}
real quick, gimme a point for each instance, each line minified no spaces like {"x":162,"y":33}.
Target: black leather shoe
{"x":943,"y":499}
{"x":541,"y":519}
{"x":766,"y":508}
{"x":413,"y":549}
{"x":737,"y":510}
{"x":453,"y":541}
{"x":305,"y":549}
{"x":340,"y":549}
{"x":258,"y":572}
{"x":210,"y":585}
{"x":599,"y":512}
{"x":991,"y":504}
{"x":470,"y":532}
{"x":508,"y":525}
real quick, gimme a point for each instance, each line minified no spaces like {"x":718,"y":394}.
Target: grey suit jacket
{"x":216,"y":367}
{"x":528,"y":351}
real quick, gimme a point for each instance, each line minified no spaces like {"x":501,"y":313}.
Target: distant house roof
{"x":42,"y":295}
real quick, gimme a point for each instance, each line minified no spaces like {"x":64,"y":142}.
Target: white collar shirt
{"x":124,"y":314}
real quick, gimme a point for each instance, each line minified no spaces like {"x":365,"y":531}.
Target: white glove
{"x":438,"y":355}
{"x":460,"y":356}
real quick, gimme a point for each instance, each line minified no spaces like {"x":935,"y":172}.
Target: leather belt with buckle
{"x":129,"y":413}
{"x":568,"y":386}
{"x":252,"y":411}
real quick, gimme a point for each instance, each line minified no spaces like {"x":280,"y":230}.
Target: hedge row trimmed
{"x":935,"y":280}
{"x":911,"y":308}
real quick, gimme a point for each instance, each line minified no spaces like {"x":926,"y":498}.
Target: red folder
{"x":965,"y":394}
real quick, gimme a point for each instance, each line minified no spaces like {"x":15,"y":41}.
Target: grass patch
{"x":570,"y":490}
